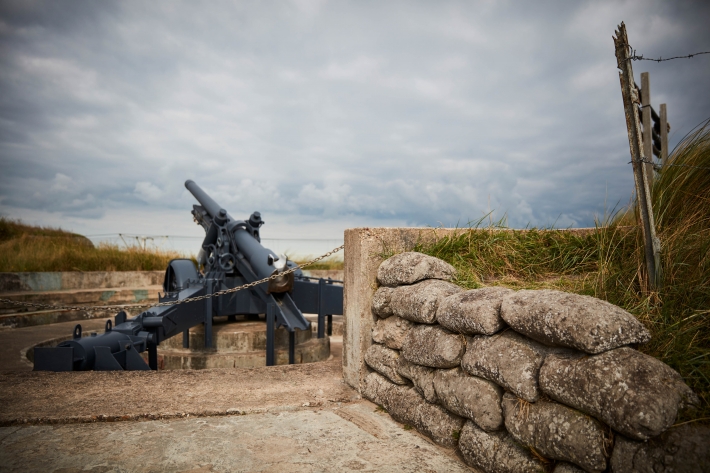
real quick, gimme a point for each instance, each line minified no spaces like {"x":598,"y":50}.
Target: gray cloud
{"x":334,"y":113}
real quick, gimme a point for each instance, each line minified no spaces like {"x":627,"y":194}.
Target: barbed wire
{"x":180,"y":301}
{"x":659,"y":167}
{"x":635,"y":57}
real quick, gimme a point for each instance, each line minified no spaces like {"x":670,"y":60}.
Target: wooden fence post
{"x":629,"y":93}
{"x":664,"y":135}
{"x":647,"y":125}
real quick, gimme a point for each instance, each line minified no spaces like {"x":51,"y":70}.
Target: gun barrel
{"x":205,"y":200}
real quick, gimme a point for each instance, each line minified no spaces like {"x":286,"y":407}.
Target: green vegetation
{"x":608,"y":262}
{"x":27,"y":248}
{"x":333,"y":263}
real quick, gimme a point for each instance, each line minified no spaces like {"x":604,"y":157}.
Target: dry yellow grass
{"x":27,"y":248}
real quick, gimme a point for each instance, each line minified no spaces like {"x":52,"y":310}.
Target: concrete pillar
{"x":365,"y":249}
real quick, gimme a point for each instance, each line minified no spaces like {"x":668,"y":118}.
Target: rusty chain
{"x":180,"y":301}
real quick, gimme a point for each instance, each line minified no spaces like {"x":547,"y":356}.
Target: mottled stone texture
{"x":637,"y":395}
{"x":391,"y":332}
{"x":564,"y":467}
{"x":375,"y":388}
{"x":508,"y":359}
{"x":421,"y":376}
{"x":683,"y":449}
{"x":495,"y":452}
{"x":473,"y":312}
{"x":420,"y":301}
{"x":433,"y":346}
{"x":563,"y":319}
{"x":468,"y":396}
{"x":381,"y":302}
{"x":406,"y":405}
{"x":556,"y":431}
{"x":384,"y":360}
{"x":401,"y":402}
{"x":438,"y":424}
{"x":411,"y":267}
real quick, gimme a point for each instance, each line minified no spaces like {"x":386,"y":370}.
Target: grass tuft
{"x":332,"y":263}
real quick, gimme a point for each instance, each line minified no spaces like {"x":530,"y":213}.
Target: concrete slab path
{"x":283,"y":418}
{"x":350,"y":438}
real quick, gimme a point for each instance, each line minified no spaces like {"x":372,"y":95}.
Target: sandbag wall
{"x":524,"y":381}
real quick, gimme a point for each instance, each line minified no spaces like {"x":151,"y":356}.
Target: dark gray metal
{"x":321,"y":306}
{"x":208,"y":316}
{"x":231,"y":255}
{"x":54,"y":359}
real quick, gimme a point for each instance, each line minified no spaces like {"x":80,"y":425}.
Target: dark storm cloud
{"x":409,"y":112}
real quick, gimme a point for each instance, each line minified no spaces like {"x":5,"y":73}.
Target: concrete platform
{"x":116,"y":295}
{"x":352,"y":437}
{"x":268,"y":419}
{"x":337,"y":327}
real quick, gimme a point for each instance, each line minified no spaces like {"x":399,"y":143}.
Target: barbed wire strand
{"x":660,"y":59}
{"x":658,"y":167}
{"x":180,"y":301}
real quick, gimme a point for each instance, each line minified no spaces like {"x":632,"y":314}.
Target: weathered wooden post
{"x":647,"y":125}
{"x":629,"y":93}
{"x":664,"y":135}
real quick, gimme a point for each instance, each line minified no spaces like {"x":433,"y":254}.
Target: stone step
{"x":100,"y":296}
{"x":44,"y":317}
{"x":67,"y":280}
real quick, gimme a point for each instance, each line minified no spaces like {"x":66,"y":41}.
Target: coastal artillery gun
{"x":231,"y":255}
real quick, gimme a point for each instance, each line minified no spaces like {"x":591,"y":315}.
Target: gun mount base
{"x":238,"y":344}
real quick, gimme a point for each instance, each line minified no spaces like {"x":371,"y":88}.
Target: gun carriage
{"x":231,"y":255}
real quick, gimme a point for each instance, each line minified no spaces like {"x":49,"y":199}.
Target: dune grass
{"x":608,"y":262}
{"x":27,"y":248}
{"x":332,"y":263}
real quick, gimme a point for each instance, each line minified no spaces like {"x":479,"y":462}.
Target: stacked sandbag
{"x":523,"y":380}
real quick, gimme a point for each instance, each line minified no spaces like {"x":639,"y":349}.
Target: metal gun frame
{"x":231,"y":255}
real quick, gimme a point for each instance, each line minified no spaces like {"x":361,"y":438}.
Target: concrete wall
{"x":363,"y":250}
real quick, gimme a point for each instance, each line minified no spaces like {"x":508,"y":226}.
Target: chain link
{"x":181,"y":301}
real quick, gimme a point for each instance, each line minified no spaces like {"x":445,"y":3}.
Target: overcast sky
{"x":330,"y":115}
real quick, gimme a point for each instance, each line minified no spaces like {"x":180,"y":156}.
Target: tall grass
{"x":332,"y":263}
{"x":28,"y":248}
{"x":608,"y":262}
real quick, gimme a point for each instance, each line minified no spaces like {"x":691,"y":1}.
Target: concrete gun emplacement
{"x":231,"y":255}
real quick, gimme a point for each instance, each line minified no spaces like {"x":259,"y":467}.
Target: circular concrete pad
{"x":239,"y":344}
